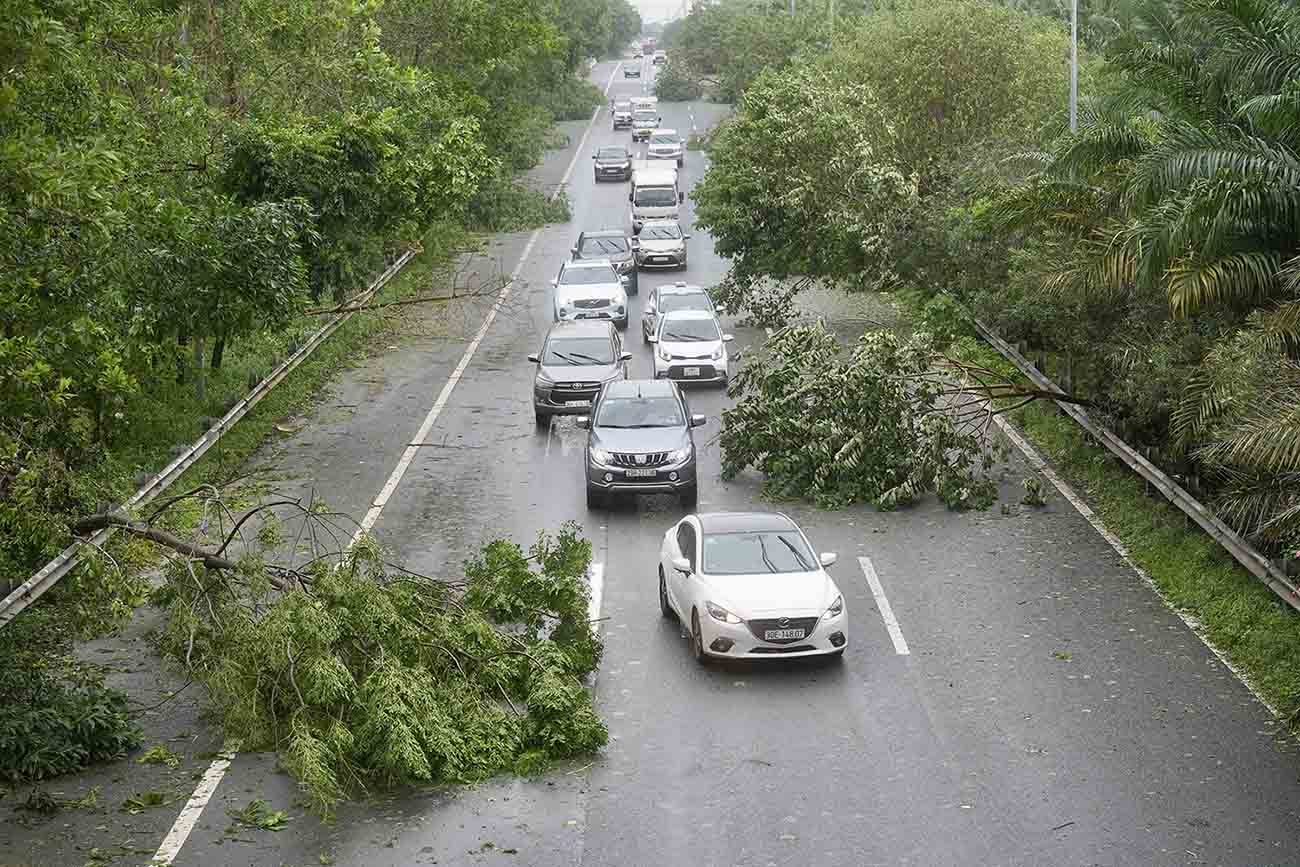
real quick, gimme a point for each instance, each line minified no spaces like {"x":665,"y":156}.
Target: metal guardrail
{"x":1241,"y":550}
{"x":68,"y":559}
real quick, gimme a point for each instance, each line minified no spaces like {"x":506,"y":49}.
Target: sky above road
{"x":657,"y":10}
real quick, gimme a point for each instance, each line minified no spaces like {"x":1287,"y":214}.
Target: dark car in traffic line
{"x":640,"y":441}
{"x":577,"y":358}
{"x":611,"y":244}
{"x":613,"y":162}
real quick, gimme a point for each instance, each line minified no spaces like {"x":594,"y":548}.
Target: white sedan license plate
{"x":690,"y":371}
{"x":782,"y":634}
{"x":577,"y":403}
{"x":640,"y":474}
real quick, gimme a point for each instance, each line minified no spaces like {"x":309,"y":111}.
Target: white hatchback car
{"x":690,"y":346}
{"x":747,"y":585}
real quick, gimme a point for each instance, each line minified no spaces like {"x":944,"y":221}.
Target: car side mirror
{"x":593,"y":156}
{"x":626,"y":356}
{"x":698,"y":420}
{"x":681,"y":197}
{"x":535,"y":358}
{"x":574,"y":249}
{"x":828,"y":558}
{"x":681,"y":564}
{"x":555,"y":282}
{"x":624,"y":279}
{"x":727,"y":338}
{"x":686,"y":237}
{"x":583,"y":421}
{"x":653,"y":338}
{"x":629,"y":197}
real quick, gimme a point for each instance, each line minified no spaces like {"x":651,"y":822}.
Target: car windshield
{"x":645,"y":117}
{"x":634,"y":412}
{"x":622,"y":106}
{"x":587,"y":276}
{"x":671,"y":301}
{"x":612,"y":153}
{"x":579,"y":350}
{"x":655,"y":197}
{"x":756,"y":553}
{"x":663,"y":139}
{"x":668,"y":232}
{"x":602,"y":246}
{"x":690,"y":330}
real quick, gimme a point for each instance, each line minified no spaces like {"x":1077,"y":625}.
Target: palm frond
{"x":1193,"y":283}
{"x":1265,"y":508}
{"x":1187,"y":153}
{"x":1222,"y":386}
{"x":1267,"y":440}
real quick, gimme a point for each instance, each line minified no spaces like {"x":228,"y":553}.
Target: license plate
{"x":577,"y":403}
{"x":664,"y":259}
{"x":690,"y":371}
{"x":782,"y":634}
{"x":640,"y":474}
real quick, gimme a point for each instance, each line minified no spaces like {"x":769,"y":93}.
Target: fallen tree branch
{"x":93,"y":523}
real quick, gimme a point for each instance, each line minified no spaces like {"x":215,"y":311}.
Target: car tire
{"x":543,"y":418}
{"x":689,"y":496}
{"x":681,"y":163}
{"x":697,"y":640}
{"x":664,"y":607}
{"x":595,"y":498}
{"x":634,"y":288}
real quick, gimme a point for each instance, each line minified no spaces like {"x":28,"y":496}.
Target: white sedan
{"x":748,"y":586}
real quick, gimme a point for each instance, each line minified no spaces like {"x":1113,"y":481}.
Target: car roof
{"x":641,"y":388}
{"x":682,"y":289}
{"x":714,"y":523}
{"x":688,"y":314}
{"x":581,"y":328}
{"x":588,"y":263}
{"x":664,"y":130}
{"x":661,"y":222}
{"x":619,"y":102}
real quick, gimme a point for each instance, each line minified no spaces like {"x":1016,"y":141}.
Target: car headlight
{"x":564,"y":311}
{"x":836,"y":609}
{"x":599,"y":456}
{"x":543,"y":379}
{"x":717,"y":612}
{"x":663,"y":354}
{"x":678,"y":456}
{"x":717,"y":354}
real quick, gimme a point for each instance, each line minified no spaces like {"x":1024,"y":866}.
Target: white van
{"x":645,"y":102}
{"x":654,"y":195}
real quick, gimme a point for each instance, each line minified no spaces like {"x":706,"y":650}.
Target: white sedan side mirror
{"x":828,"y":558}
{"x":727,"y":338}
{"x":535,"y":358}
{"x":681,"y":564}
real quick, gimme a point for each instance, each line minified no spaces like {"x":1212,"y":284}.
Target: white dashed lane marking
{"x":886,"y":611}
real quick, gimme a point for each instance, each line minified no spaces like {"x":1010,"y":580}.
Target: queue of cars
{"x":743,"y":585}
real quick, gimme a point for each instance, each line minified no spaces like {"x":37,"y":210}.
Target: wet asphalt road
{"x":1050,"y":709}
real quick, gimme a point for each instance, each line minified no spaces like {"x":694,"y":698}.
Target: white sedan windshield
{"x":756,"y":553}
{"x":691,"y":330}
{"x":587,"y":276}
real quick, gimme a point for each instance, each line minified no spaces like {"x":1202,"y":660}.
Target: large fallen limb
{"x":93,"y":523}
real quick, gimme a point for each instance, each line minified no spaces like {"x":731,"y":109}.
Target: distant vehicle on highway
{"x":631,"y":70}
{"x":660,"y":57}
{"x":654,"y":195}
{"x":644,"y":122}
{"x":613,"y":163}
{"x":690,"y":346}
{"x":639,"y":102}
{"x":611,"y":244}
{"x":590,"y":289}
{"x":577,"y":358}
{"x":746,"y":585}
{"x":661,"y":244}
{"x":666,"y":144}
{"x":640,"y":441}
{"x":670,"y":297}
{"x":620,"y":112}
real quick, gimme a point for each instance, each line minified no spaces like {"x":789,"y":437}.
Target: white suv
{"x":590,"y":289}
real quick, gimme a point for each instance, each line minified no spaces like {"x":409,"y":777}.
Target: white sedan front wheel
{"x":697,"y":640}
{"x":664,"y":607}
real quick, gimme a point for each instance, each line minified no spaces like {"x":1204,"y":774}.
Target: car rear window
{"x":665,"y":232}
{"x":756,"y":553}
{"x":598,"y":247}
{"x":636,"y":412}
{"x":663,"y":139}
{"x":670,"y":301}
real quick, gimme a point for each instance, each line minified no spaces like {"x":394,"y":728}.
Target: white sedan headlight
{"x":663,"y":354}
{"x":836,"y":609}
{"x":717,"y":612}
{"x":717,"y":354}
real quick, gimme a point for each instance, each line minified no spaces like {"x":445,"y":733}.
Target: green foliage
{"x":258,"y":815}
{"x":367,"y":677}
{"x":675,"y":84}
{"x":573,"y":99}
{"x":506,"y":205}
{"x":863,"y":425}
{"x":56,"y":715}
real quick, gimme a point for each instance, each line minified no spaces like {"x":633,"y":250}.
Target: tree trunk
{"x":218,"y":352}
{"x":200,"y":385}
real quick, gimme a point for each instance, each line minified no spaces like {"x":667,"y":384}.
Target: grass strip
{"x":1237,"y":614}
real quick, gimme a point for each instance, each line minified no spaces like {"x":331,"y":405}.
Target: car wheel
{"x":543,"y":419}
{"x":634,"y":288}
{"x":595,"y":498}
{"x":690,"y":496}
{"x":681,"y":163}
{"x":664,"y":608}
{"x":697,"y":639}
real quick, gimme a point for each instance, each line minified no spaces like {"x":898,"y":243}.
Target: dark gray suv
{"x":640,"y":442}
{"x":577,"y":358}
{"x":611,"y":244}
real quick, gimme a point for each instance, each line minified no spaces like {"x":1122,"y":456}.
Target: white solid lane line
{"x":886,"y":612}
{"x":185,"y":822}
{"x":597,"y":591}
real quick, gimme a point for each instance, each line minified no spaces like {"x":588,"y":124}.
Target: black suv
{"x":611,"y":244}
{"x":640,"y":442}
{"x":614,"y":162}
